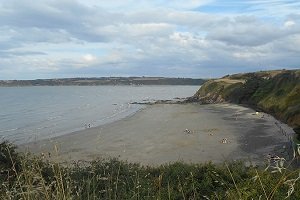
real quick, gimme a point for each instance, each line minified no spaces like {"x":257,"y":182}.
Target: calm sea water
{"x":34,"y":113}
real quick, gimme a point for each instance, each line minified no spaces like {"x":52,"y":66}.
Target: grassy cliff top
{"x":261,"y":74}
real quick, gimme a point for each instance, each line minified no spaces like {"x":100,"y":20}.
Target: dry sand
{"x":156,"y":135}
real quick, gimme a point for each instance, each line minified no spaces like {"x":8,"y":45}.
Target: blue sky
{"x":188,"y":38}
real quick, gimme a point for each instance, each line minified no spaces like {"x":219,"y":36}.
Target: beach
{"x":166,"y":133}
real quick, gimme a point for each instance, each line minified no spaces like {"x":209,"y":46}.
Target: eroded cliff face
{"x":210,"y":92}
{"x":275,"y":92}
{"x":215,"y":91}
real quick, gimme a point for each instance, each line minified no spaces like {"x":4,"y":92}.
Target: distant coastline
{"x":103,"y":81}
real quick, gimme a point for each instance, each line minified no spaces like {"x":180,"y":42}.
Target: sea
{"x":29,"y":114}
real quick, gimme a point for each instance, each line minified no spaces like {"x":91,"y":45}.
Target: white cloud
{"x":127,"y":31}
{"x":146,"y":37}
{"x":289,"y":23}
{"x":189,"y":39}
{"x":133,"y":5}
{"x":89,"y":58}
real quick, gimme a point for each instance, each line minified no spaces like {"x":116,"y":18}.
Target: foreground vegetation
{"x":28,"y":177}
{"x":275,"y":92}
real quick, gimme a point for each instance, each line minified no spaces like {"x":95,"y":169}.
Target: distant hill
{"x":104,"y":81}
{"x":275,"y":92}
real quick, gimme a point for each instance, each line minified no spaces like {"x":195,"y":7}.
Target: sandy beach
{"x":164,"y":133}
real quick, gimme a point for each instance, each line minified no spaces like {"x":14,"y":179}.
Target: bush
{"x":10,"y":160}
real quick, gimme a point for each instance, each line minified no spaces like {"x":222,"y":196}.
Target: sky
{"x":179,"y":38}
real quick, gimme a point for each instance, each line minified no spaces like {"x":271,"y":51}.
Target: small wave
{"x":12,"y":140}
{"x":126,"y":109}
{"x":4,"y":115}
{"x":43,"y":127}
{"x":8,"y":130}
{"x":53,"y":117}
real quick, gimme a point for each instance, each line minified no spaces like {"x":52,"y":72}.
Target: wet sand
{"x":166,"y":133}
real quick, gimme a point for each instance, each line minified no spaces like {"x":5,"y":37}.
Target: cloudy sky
{"x":180,"y":38}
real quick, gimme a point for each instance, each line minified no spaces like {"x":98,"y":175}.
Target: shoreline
{"x":157,"y":135}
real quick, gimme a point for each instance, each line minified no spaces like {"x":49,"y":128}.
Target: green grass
{"x":29,"y":177}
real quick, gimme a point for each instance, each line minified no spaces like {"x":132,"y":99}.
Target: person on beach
{"x":224,"y":141}
{"x":87,"y":125}
{"x":187,"y":131}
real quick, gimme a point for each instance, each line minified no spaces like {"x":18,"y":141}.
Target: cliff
{"x":275,"y":92}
